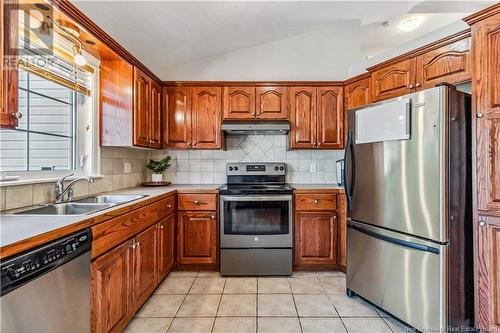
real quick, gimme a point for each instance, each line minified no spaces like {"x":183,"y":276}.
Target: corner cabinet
{"x":317,"y":118}
{"x":130,"y":106}
{"x":192,"y":117}
{"x":147,"y":96}
{"x":255,"y":103}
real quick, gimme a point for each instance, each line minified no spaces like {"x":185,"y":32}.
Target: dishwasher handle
{"x":28,"y":266}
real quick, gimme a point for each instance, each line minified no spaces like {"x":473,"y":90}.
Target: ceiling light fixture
{"x":410,"y":23}
{"x":80,"y":60}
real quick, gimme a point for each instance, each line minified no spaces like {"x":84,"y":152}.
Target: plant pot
{"x":157,"y":177}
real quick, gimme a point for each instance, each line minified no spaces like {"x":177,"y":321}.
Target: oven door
{"x":256,"y":221}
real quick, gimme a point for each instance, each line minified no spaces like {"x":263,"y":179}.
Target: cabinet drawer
{"x":315,"y":201}
{"x":197,"y":201}
{"x":115,"y":231}
{"x":170,"y":203}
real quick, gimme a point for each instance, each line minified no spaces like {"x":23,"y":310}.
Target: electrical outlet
{"x":313,"y":167}
{"x":127,"y":167}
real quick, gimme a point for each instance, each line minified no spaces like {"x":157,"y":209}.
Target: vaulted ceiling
{"x":165,"y":33}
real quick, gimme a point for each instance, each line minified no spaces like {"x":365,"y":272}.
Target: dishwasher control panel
{"x":23,"y":267}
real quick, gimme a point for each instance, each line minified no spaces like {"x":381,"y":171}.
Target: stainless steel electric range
{"x":256,"y":220}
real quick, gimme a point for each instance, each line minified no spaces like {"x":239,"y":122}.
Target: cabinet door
{"x":357,"y":93}
{"x":239,"y":103}
{"x":315,"y":238}
{"x":196,"y":237}
{"x":206,"y":120}
{"x":9,"y":80}
{"x":488,"y":273}
{"x":393,"y":80}
{"x":330,"y":118}
{"x":450,"y":63}
{"x":141,"y":109}
{"x":271,"y":103}
{"x":177,"y":117}
{"x":303,"y":117}
{"x":111,"y":290}
{"x":145,"y":267}
{"x":486,"y":94}
{"x":155,"y":115}
{"x":166,"y":245}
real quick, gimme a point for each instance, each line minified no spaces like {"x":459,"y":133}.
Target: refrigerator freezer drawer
{"x":400,"y":274}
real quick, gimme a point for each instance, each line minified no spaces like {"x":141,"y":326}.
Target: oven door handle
{"x":257,"y":198}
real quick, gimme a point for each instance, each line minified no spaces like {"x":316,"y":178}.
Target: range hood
{"x":248,"y":128}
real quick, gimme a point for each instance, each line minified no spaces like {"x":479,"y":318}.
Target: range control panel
{"x":244,"y":169}
{"x":17,"y":270}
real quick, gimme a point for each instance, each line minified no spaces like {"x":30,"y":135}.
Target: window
{"x":45,"y":138}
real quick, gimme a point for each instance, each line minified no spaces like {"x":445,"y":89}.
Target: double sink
{"x":82,"y":206}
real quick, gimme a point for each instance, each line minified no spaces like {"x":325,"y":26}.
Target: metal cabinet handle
{"x":410,"y":86}
{"x":482,"y":223}
{"x":169,"y":206}
{"x":316,"y":201}
{"x":479,"y":115}
{"x":161,"y":227}
{"x":138,"y":244}
{"x":196,"y":202}
{"x":334,"y":217}
{"x":133,"y":245}
{"x":17,"y":115}
{"x":417,"y":85}
{"x":212,"y":217}
{"x":319,"y":143}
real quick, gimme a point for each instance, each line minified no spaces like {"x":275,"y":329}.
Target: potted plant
{"x":158,"y":168}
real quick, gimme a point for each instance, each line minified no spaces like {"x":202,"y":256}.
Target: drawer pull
{"x":316,"y":201}
{"x":212,"y":217}
{"x":196,"y":202}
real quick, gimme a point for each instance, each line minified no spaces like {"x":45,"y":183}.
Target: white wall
{"x":320,"y":55}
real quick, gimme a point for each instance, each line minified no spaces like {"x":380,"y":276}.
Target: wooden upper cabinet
{"x":239,"y":103}
{"x":166,"y":246}
{"x":303,"y":117}
{"x":206,"y":117}
{"x":141,"y":108}
{"x":450,"y":63}
{"x":271,"y":103}
{"x":111,"y":290}
{"x":393,"y":80}
{"x":357,"y":93}
{"x":196,"y":237}
{"x":330,"y":118}
{"x":155,"y":115}
{"x":486,"y":94}
{"x":9,"y":76}
{"x":145,"y":266}
{"x":315,"y":238}
{"x":177,"y":117}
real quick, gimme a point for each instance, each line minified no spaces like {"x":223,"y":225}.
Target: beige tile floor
{"x":308,"y":302}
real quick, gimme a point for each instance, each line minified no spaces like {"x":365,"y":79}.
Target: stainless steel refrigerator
{"x":408,"y":181}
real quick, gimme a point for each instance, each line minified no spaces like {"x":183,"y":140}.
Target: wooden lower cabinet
{"x":145,"y":268}
{"x":196,"y":237}
{"x":112,"y":276}
{"x":123,"y":278}
{"x":315,"y":238}
{"x":166,"y":246}
{"x":488,"y":273}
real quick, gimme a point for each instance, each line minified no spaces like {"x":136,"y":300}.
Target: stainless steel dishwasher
{"x":48,"y":289}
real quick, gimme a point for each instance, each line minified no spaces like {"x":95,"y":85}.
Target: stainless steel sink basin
{"x":110,"y":198}
{"x":67,"y":208}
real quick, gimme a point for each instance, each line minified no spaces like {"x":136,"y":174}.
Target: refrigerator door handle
{"x":348,"y":189}
{"x":393,"y":240}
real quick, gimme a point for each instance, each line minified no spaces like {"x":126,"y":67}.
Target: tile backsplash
{"x":209,"y":166}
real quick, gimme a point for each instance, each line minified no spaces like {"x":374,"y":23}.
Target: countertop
{"x":21,"y":232}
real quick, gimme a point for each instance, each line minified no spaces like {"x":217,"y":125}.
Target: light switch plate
{"x":314,"y":167}
{"x":127,"y":167}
